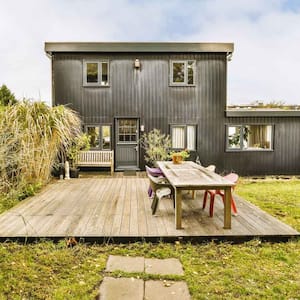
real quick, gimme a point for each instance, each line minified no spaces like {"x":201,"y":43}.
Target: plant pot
{"x":74,"y":173}
{"x":177,"y":158}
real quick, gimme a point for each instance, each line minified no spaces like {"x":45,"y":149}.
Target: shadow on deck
{"x":118,"y":209}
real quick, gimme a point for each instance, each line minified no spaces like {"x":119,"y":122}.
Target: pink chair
{"x":230,"y":177}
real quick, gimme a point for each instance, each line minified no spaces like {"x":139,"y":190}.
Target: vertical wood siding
{"x":146,"y":94}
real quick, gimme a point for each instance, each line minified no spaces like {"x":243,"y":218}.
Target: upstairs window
{"x":183,"y":137}
{"x":95,"y":73}
{"x":182,"y":72}
{"x":100,"y":136}
{"x":249,"y":137}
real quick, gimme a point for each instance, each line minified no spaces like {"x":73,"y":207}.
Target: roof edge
{"x":51,"y":47}
{"x":262,"y":113}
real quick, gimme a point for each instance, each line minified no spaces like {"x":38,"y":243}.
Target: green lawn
{"x":252,"y":270}
{"x":280,"y":198}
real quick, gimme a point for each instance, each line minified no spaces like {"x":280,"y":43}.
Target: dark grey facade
{"x":146,"y":96}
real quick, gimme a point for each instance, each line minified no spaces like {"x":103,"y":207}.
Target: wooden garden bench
{"x":96,"y":159}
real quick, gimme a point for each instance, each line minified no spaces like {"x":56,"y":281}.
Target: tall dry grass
{"x":32,"y":135}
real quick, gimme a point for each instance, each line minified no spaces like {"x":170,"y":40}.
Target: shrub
{"x":156,"y":146}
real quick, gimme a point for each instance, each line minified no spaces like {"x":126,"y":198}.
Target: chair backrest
{"x":154,"y":171}
{"x":155,"y":182}
{"x":211,"y":168}
{"x":233,"y":177}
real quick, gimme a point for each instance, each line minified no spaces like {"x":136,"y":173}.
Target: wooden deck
{"x":118,"y":209}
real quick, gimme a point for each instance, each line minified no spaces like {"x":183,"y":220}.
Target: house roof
{"x":118,"y":47}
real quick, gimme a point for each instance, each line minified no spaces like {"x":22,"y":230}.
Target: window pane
{"x":191,"y":137}
{"x":106,"y":138}
{"x":104,"y":79}
{"x":128,"y":130}
{"x":178,"y":137}
{"x":258,"y":136}
{"x":191,"y":65}
{"x":94,"y":134}
{"x":234,"y":133}
{"x":92,"y":72}
{"x":178,"y":72}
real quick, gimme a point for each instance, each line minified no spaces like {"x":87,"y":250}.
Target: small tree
{"x":156,"y":146}
{"x":6,"y":96}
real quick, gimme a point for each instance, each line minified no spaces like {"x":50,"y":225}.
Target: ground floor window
{"x":183,"y":137}
{"x":100,"y":136}
{"x":249,"y":137}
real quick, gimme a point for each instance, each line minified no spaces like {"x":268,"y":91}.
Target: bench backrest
{"x":95,"y":157}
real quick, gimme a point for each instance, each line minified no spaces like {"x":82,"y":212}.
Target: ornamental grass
{"x":32,"y":135}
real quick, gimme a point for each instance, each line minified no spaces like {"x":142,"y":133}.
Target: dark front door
{"x":127,"y":150}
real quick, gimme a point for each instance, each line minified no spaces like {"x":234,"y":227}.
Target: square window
{"x":182,"y":72}
{"x":100,"y":136}
{"x":95,"y":73}
{"x":183,"y":137}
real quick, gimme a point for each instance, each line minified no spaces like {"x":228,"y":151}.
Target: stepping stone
{"x":169,"y":266}
{"x":125,"y":264}
{"x":121,"y":289}
{"x":165,"y":290}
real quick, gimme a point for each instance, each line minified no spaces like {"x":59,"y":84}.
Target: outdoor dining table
{"x":191,"y":176}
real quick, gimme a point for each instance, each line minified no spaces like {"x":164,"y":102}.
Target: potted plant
{"x":156,"y":146}
{"x":178,"y":157}
{"x":80,"y":143}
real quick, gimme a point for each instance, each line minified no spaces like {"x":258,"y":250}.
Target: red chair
{"x":230,"y":177}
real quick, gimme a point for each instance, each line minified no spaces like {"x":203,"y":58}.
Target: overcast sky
{"x":266,"y":34}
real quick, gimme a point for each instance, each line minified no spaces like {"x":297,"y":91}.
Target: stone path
{"x":137,"y":289}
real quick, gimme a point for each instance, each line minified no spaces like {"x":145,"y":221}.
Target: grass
{"x":279,"y":198}
{"x":251,"y":270}
{"x":52,"y":271}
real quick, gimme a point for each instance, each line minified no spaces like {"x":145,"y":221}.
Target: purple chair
{"x":155,"y":172}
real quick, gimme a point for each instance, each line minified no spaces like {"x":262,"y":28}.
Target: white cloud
{"x":266,"y":35}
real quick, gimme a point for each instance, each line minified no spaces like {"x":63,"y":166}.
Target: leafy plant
{"x":156,"y":145}
{"x":80,"y":143}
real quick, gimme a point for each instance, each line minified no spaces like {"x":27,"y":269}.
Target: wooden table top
{"x":189,"y":174}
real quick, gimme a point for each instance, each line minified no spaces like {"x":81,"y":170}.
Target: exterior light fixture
{"x":137,"y":63}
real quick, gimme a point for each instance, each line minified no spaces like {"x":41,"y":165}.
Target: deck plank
{"x":119,"y":206}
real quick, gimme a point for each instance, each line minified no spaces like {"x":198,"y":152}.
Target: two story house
{"x":122,"y":90}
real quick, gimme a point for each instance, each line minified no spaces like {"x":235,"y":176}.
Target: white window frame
{"x":185,"y":62}
{"x":186,"y":142}
{"x":99,"y":62}
{"x":241,"y":139}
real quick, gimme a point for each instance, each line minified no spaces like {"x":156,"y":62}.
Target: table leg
{"x":227,"y":208}
{"x":178,"y":208}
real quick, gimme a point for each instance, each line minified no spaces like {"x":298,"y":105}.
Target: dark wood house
{"x":122,"y":90}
